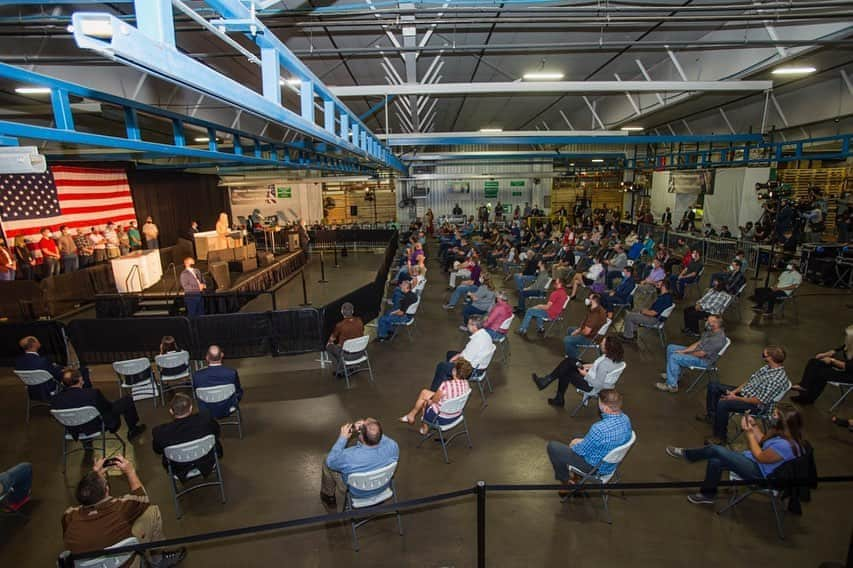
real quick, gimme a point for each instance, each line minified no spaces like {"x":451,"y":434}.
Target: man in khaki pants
{"x":102,"y":520}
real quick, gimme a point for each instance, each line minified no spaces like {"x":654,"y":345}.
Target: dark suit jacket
{"x":215,"y":376}
{"x":36,"y":362}
{"x":192,"y":427}
{"x":75,"y":398}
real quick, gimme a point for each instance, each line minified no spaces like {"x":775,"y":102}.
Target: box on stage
{"x":251,"y":250}
{"x":265,"y":259}
{"x":246,"y":265}
{"x":224,"y":255}
{"x":240,"y":254}
{"x":220,"y":273}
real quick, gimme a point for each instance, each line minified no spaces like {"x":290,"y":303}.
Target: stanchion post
{"x":481,"y":524}
{"x":322,"y":279}
{"x":335,"y":249}
{"x":64,"y":560}
{"x":305,"y":301}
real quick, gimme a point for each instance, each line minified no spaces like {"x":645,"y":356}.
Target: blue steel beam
{"x":446,"y":139}
{"x":376,"y":108}
{"x":119,"y":41}
{"x":64,"y":120}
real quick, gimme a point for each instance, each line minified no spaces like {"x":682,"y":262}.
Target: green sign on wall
{"x":517,"y":183}
{"x":283,"y":192}
{"x":491,"y":189}
{"x":516,"y":193}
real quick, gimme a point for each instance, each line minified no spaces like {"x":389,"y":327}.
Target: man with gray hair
{"x":500,"y":312}
{"x":479,"y":344}
{"x":214,"y":375}
{"x":350,"y":327}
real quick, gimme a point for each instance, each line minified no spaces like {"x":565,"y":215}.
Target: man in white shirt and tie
{"x":192,"y":282}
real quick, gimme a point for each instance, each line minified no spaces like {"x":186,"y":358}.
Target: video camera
{"x":774,"y":190}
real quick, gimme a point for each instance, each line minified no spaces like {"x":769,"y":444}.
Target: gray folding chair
{"x":451,"y":406}
{"x":110,"y":561}
{"x":173,"y":370}
{"x":660,"y":325}
{"x":615,"y":457}
{"x":356,"y":349}
{"x":479,"y":376}
{"x":781,"y":305}
{"x":710,"y":370}
{"x":775,"y":495}
{"x":34,"y":379}
{"x":409,"y":323}
{"x":382,"y":478}
{"x":609,"y":382}
{"x":549,"y":323}
{"x":619,"y":309}
{"x":189,"y":452}
{"x":136,"y":376}
{"x":844,"y":389}
{"x":734,"y":304}
{"x":74,"y":417}
{"x":503,"y":340}
{"x":212,"y":395}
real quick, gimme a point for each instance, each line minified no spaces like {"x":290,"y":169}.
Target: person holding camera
{"x":101,"y":520}
{"x":361,"y":446}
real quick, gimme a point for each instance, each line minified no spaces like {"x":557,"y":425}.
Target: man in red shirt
{"x":50,"y":252}
{"x":550,"y":311}
{"x":499,"y":313}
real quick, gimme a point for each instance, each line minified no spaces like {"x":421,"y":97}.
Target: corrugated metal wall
{"x":536,"y":189}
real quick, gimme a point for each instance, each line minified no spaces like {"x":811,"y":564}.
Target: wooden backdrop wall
{"x":175,"y":199}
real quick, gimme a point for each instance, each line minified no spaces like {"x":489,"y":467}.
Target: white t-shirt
{"x":595,"y":271}
{"x":478,"y":346}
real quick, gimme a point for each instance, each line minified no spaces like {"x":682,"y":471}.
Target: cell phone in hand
{"x":110,"y":462}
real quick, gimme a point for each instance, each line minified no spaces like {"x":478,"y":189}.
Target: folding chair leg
{"x":467,"y":434}
{"x":695,"y":382}
{"x":174,"y":489}
{"x":354,"y":535}
{"x":735,"y":499}
{"x":777,"y":514}
{"x":578,"y":407}
{"x":346,"y":375}
{"x":219,"y":477}
{"x":370,"y":370}
{"x":399,"y":517}
{"x":482,"y":392}
{"x":844,"y":394}
{"x":239,"y":424}
{"x":604,"y":495}
{"x":443,"y":445}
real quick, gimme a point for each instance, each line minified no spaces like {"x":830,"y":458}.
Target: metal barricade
{"x":751,"y":255}
{"x":720,"y":250}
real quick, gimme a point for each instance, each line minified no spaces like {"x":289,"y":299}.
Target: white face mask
{"x":587,"y":301}
{"x":790,"y":267}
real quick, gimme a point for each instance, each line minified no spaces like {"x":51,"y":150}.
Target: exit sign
{"x":491,"y":189}
{"x":283,"y":192}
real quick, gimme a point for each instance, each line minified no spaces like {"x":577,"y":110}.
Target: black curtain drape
{"x":175,"y":199}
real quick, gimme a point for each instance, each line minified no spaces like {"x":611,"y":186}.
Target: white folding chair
{"x":419,"y":289}
{"x":212,"y":395}
{"x":549,"y":323}
{"x":75,"y":417}
{"x":189,"y":452}
{"x":110,"y":561}
{"x":174,"y":372}
{"x":136,"y":376}
{"x":379,"y":480}
{"x":503,"y":340}
{"x":711,"y":369}
{"x":844,"y":389}
{"x":450,"y":406}
{"x":734,"y":303}
{"x":660,"y":325}
{"x":356,"y":349}
{"x":33,"y":379}
{"x":409,"y":323}
{"x":615,"y":457}
{"x":609,"y":382}
{"x":596,"y":342}
{"x":479,"y":376}
{"x":784,"y":301}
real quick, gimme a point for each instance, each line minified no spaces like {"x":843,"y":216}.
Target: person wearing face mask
{"x":612,"y":431}
{"x":588,"y":329}
{"x":192,"y":282}
{"x":714,"y":302}
{"x":755,"y":395}
{"x":584,"y":376}
{"x":615,"y":265}
{"x":67,"y":250}
{"x":834,"y":365}
{"x":622,"y":293}
{"x":740,"y":257}
{"x":766,"y":298}
{"x":702,"y":353}
{"x":688,"y":275}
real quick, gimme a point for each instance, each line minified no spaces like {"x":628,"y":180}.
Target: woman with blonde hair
{"x":428,"y":404}
{"x":833,"y":365}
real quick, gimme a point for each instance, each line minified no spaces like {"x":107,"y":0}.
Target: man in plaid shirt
{"x":757,"y":395}
{"x":714,"y":302}
{"x":612,"y":431}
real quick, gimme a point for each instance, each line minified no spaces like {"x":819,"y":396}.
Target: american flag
{"x":64,"y":195}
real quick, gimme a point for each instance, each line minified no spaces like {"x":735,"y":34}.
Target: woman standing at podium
{"x":223,"y":229}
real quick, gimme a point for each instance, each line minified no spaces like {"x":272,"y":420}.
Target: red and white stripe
{"x":88,"y":197}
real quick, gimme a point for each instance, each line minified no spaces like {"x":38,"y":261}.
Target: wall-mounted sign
{"x":517,"y":193}
{"x":517,"y":183}
{"x":491,"y":188}
{"x":283,"y":192}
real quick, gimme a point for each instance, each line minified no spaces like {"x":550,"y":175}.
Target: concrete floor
{"x":293,"y":411}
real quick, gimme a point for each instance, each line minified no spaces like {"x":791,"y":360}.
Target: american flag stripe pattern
{"x":64,"y":195}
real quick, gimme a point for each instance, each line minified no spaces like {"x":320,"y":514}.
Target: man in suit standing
{"x":214,"y":375}
{"x":192,"y":282}
{"x":75,"y":395}
{"x":31,"y":360}
{"x":186,"y":427}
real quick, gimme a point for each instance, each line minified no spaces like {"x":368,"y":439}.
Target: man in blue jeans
{"x":387,"y":322}
{"x":703,"y":353}
{"x":17,"y":481}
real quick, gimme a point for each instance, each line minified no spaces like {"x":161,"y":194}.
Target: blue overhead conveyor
{"x":340,"y":143}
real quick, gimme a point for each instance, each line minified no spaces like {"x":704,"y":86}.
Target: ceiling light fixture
{"x":543,"y":76}
{"x":203,"y":139}
{"x":291,"y":82}
{"x":632,"y":128}
{"x":33,"y":90}
{"x":597,"y":161}
{"x":491,"y":130}
{"x":793,"y":70}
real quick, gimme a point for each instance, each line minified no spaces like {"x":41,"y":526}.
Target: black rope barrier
{"x":480,"y":490}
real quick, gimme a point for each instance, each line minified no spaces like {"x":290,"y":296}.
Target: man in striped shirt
{"x":714,"y":302}
{"x":756,"y":395}
{"x":612,"y":431}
